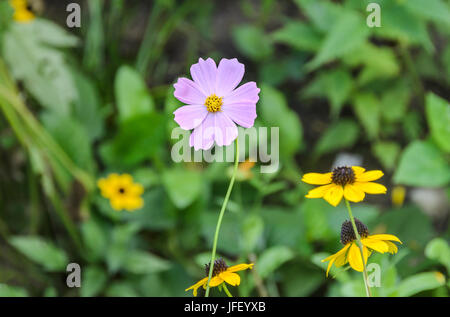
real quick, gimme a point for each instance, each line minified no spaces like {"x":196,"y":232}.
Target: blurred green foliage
{"x":99,"y":100}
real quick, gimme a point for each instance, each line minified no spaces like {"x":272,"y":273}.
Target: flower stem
{"x":219,"y":221}
{"x":360,"y":245}
{"x":226,"y":290}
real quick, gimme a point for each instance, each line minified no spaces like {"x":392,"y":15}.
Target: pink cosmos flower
{"x":214,"y":104}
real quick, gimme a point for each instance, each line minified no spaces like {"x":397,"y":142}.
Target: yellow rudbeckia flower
{"x":122,"y":192}
{"x":21,"y":11}
{"x":349,"y":182}
{"x":351,"y":253}
{"x":221,"y":273}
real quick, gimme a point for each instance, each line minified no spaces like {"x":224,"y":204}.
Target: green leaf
{"x":94,"y":280}
{"x":299,"y":35}
{"x":252,"y":229}
{"x":342,"y":134}
{"x":12,"y":291}
{"x":435,"y":10}
{"x":139,"y":262}
{"x":367,"y":110}
{"x":251,"y":41}
{"x":122,"y":289}
{"x":273,"y":258}
{"x":438,"y":117}
{"x":419,"y":283}
{"x":94,"y":238}
{"x":439,"y":250}
{"x":275,"y":112}
{"x":387,"y":153}
{"x":349,"y":33}
{"x":422,"y":164}
{"x":322,"y":13}
{"x":41,"y":252}
{"x":133,"y":98}
{"x":182,"y":185}
{"x":138,"y":139}
{"x":395,"y":100}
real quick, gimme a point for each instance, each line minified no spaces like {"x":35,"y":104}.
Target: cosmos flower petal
{"x":320,"y":191}
{"x":189,"y":92}
{"x":247,"y":93}
{"x":371,"y":188}
{"x":388,"y":237}
{"x":377,"y":245}
{"x":197,"y":285}
{"x":353,"y":193}
{"x":225,"y":129}
{"x":231,"y":278}
{"x":334,"y":195}
{"x":243,"y":114}
{"x":369,"y":176}
{"x":229,"y":75}
{"x":190,"y":117}
{"x":204,"y":74}
{"x":240,"y":267}
{"x":317,"y":178}
{"x":203,"y":136}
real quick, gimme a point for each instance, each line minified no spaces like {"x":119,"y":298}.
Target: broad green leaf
{"x":438,"y":117}
{"x":251,"y":41}
{"x":387,"y":153}
{"x":298,"y":35}
{"x":419,"y":283}
{"x":322,"y":13}
{"x":395,"y":101}
{"x":252,"y":230}
{"x":94,"y":238}
{"x":348,"y":34}
{"x":12,"y":291}
{"x":122,"y":289}
{"x":272,"y":258}
{"x":367,"y":108}
{"x":275,"y":112}
{"x":139,"y":262}
{"x":437,"y":11}
{"x":439,"y":250}
{"x":132,"y":96}
{"x":94,"y":279}
{"x":342,"y":134}
{"x":41,"y":252}
{"x":182,"y":185}
{"x":422,"y":164}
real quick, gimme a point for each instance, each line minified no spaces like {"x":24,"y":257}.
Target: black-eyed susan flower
{"x":221,"y":273}
{"x":349,"y":182}
{"x":122,"y":192}
{"x":22,"y":13}
{"x":351,"y":253}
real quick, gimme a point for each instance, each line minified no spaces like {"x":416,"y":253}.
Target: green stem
{"x":219,"y":221}
{"x":226,"y":290}
{"x":360,"y":245}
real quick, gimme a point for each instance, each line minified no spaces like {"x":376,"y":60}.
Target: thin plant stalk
{"x":360,"y":245}
{"x":219,"y":221}
{"x":226,"y":290}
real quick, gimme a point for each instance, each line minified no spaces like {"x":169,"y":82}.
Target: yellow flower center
{"x":213,"y":103}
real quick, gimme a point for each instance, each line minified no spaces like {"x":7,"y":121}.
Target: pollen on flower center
{"x":348,"y":234}
{"x":213,"y":103}
{"x":219,"y":267}
{"x":343,"y":175}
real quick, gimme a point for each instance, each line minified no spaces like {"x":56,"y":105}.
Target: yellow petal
{"x":341,"y":251}
{"x":389,"y":237}
{"x":216,"y":280}
{"x":317,"y":178}
{"x":240,"y":267}
{"x":334,"y":195}
{"x":231,"y":278}
{"x":377,"y":245}
{"x":392,"y":247}
{"x":197,"y":285}
{"x":329,"y":266}
{"x":117,"y":203}
{"x":126,"y":180}
{"x":355,"y":259}
{"x":369,"y":176}
{"x":136,"y":189}
{"x":319,"y":192}
{"x":371,"y":188}
{"x":358,"y":170}
{"x":353,"y":193}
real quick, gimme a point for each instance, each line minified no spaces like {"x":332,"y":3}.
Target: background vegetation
{"x":77,"y":104}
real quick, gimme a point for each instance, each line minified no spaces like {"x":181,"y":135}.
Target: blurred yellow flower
{"x":122,"y":192}
{"x":21,"y":11}
{"x":221,"y":273}
{"x":351,"y":253}
{"x":398,"y":195}
{"x":349,"y":182}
